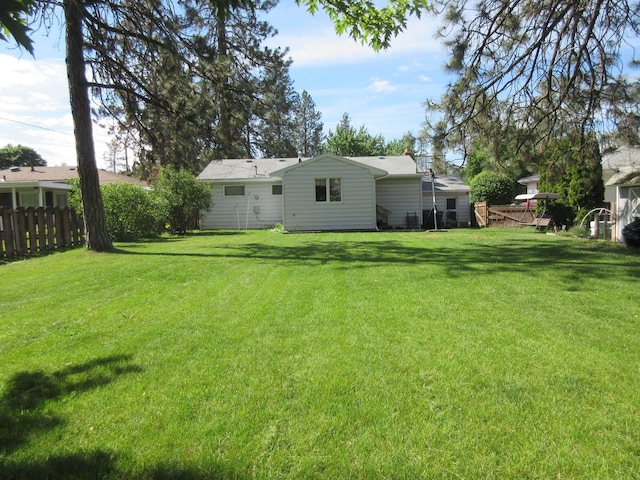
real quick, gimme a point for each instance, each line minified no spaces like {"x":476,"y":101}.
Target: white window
{"x":29,"y":199}
{"x":328,"y":190}
{"x":276,"y":189}
{"x":234,"y":190}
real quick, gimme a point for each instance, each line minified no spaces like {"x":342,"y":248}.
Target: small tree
{"x":185,"y":198}
{"x":495,"y":188}
{"x":349,"y":142}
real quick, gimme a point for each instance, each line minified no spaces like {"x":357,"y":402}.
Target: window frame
{"x":225,"y":194}
{"x":276,"y":194}
{"x":329,"y":186}
{"x":455,"y":203}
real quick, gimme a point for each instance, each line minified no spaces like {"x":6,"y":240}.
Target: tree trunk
{"x":95,"y":223}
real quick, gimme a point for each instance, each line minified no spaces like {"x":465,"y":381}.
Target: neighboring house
{"x":45,"y":186}
{"x":327,"y":192}
{"x":613,"y":163}
{"x":626,"y":183}
{"x":452,"y":201}
{"x":621,"y":176}
{"x":531,"y":182}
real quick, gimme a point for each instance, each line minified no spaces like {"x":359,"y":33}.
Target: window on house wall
{"x":6,"y":200}
{"x":276,"y":189}
{"x":29,"y":199}
{"x":328,"y":190}
{"x":48,"y":199}
{"x":234,"y":190}
{"x":451,"y":203}
{"x":62,"y":200}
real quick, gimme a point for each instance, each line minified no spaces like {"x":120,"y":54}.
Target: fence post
{"x":7,"y":222}
{"x":50,"y":228}
{"x":59,"y":227}
{"x":31,"y":227}
{"x":42,"y":229}
{"x":20,"y":230}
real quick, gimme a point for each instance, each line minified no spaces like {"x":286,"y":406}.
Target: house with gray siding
{"x":327,"y":192}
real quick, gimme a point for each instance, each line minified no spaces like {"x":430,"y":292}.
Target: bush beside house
{"x":134,"y":212}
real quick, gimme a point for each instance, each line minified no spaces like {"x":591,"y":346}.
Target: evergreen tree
{"x":573,"y":169}
{"x":549,"y":66}
{"x":307,"y":126}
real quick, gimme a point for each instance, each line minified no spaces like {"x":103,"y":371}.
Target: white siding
{"x":401,"y":196}
{"x":257,"y":208}
{"x":463,"y":212}
{"x":356,"y":211}
{"x":628,"y":207}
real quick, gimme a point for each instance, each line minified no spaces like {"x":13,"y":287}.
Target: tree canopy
{"x":13,"y":22}
{"x":20,"y":156}
{"x":544,"y":67}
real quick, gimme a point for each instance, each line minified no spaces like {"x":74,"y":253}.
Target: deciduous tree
{"x":20,"y":156}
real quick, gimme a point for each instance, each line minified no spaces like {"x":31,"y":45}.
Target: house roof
{"x":626,"y":176}
{"x":60,"y":174}
{"x":621,"y":157}
{"x":375,"y":171}
{"x":244,"y":168}
{"x":261,"y":168}
{"x":445,"y":184}
{"x":530,"y":179}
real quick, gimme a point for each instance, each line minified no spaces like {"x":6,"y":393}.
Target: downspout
{"x":246,"y":223}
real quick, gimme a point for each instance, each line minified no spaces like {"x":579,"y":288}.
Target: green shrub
{"x":132,"y":212}
{"x":495,"y":188}
{"x":185,"y":197}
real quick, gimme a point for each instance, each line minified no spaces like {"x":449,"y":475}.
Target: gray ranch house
{"x":323,"y":193}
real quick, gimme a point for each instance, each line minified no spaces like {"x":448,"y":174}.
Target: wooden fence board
{"x":503,"y":215}
{"x":30,"y":230}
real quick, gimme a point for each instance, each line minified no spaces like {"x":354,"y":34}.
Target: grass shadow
{"x":528,"y":255}
{"x":23,"y":412}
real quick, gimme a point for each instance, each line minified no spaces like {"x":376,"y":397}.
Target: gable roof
{"x":244,"y":168}
{"x":445,"y":183}
{"x":535,"y":178}
{"x":376,"y":172}
{"x":621,"y":157}
{"x":60,"y":174}
{"x":256,"y":169}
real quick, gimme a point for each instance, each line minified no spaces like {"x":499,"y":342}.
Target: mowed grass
{"x":466,"y":354}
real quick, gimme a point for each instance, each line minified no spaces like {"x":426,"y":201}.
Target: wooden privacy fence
{"x":503,"y":215}
{"x":25,"y":231}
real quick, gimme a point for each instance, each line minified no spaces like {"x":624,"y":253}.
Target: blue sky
{"x":383,"y":91}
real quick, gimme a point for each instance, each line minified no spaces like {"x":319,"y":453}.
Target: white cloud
{"x":424,"y":78}
{"x":382,"y":86}
{"x":316,"y":43}
{"x":36,"y":112}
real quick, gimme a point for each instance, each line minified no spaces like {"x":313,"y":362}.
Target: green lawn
{"x":466,"y":354}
